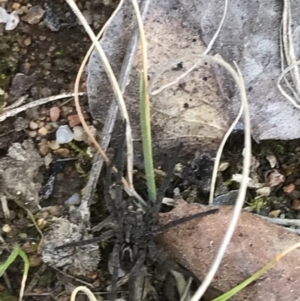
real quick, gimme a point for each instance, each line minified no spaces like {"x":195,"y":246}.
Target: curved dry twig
{"x":115,"y":87}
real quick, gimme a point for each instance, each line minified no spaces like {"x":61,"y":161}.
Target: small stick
{"x":35,"y":103}
{"x":282,"y":221}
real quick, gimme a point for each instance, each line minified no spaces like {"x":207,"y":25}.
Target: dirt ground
{"x":47,"y":53}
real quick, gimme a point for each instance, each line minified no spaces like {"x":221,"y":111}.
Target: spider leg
{"x":186,"y":219}
{"x":166,"y":182}
{"x":106,"y":235}
{"x":116,"y":267}
{"x":116,"y":205}
{"x":137,"y":275}
{"x":158,"y":256}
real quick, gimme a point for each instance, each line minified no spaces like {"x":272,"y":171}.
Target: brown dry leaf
{"x":254,"y":244}
{"x":274,"y":178}
{"x":192,"y":111}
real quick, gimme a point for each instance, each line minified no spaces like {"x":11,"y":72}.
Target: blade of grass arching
{"x":12,"y":257}
{"x":255,"y":276}
{"x":146,"y":139}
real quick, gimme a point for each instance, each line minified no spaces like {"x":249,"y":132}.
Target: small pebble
{"x":295,"y":194}
{"x":274,"y":213}
{"x":64,"y":134}
{"x":63,"y":152}
{"x":296,"y":205}
{"x":34,"y":15}
{"x":32,"y":134}
{"x":43,"y":148}
{"x":43,"y":131}
{"x":13,"y":21}
{"x":86,"y":138}
{"x":289,"y":188}
{"x":54,"y":113}
{"x":6,"y":228}
{"x":78,"y":133}
{"x":46,"y":92}
{"x":73,"y":200}
{"x":23,"y":235}
{"x":33,"y":125}
{"x":16,"y":5}
{"x":48,"y":159}
{"x":27,"y":41}
{"x":53,"y":145}
{"x":73,"y":120}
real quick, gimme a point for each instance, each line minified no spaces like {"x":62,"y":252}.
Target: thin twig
{"x":96,"y":168}
{"x":243,"y":187}
{"x":73,"y":277}
{"x":289,"y":44}
{"x":84,"y":289}
{"x":35,"y":103}
{"x":17,"y":103}
{"x":115,"y":87}
{"x":187,"y":290}
{"x":282,"y":221}
{"x":219,"y":155}
{"x":35,"y":279}
{"x":288,"y":97}
{"x":282,"y":63}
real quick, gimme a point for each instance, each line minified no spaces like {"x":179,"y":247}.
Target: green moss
{"x":257,"y":204}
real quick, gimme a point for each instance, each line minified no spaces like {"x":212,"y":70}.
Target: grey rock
{"x":34,"y":15}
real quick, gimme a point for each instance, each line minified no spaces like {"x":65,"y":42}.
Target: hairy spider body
{"x":134,"y":229}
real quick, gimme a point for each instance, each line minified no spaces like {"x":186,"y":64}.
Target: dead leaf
{"x":191,"y":111}
{"x":254,"y":244}
{"x":250,"y":37}
{"x":274,"y":178}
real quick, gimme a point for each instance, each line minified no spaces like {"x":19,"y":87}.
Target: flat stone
{"x":34,"y":15}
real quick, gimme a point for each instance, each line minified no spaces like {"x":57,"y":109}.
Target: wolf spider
{"x":134,"y":228}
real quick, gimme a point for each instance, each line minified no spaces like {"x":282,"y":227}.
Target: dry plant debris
{"x":17,"y":172}
{"x":79,"y":261}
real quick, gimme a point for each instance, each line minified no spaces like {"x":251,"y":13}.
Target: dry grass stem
{"x":243,"y":187}
{"x":115,"y":87}
{"x":85,"y":290}
{"x":35,"y":103}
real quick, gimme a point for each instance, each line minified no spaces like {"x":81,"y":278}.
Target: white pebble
{"x":64,"y":134}
{"x":78,"y":133}
{"x":3,"y":15}
{"x":6,"y":228}
{"x":73,"y":200}
{"x":13,"y":21}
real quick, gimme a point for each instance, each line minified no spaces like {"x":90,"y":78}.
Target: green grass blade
{"x":12,"y":257}
{"x":242,"y":285}
{"x":147,"y":140}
